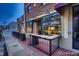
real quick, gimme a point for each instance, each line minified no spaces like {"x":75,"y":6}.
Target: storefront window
{"x":50,"y":24}
{"x":19,"y":28}
{"x":29,"y":26}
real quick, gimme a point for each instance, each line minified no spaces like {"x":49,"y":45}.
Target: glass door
{"x":76,"y":27}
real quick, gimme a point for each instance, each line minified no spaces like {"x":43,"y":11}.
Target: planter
{"x":20,"y":36}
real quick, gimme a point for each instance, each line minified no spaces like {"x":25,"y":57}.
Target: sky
{"x":10,"y":12}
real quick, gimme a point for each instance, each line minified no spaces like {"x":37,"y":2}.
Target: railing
{"x":20,"y":36}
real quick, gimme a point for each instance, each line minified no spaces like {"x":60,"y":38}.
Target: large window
{"x":76,"y":27}
{"x":29,"y":26}
{"x":19,"y":28}
{"x":50,"y":24}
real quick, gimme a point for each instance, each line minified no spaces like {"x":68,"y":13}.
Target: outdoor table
{"x":49,"y":38}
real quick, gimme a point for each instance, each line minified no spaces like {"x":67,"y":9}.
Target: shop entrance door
{"x":76,"y":27}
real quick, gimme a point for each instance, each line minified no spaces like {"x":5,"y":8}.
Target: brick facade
{"x":38,"y":10}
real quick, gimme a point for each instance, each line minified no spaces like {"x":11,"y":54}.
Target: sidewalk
{"x":15,"y":48}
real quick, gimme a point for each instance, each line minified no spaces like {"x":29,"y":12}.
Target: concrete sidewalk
{"x":15,"y":48}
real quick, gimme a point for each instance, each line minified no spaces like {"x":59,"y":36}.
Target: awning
{"x":31,"y":19}
{"x":43,"y":15}
{"x":37,"y":18}
{"x":58,"y":6}
{"x":40,"y":16}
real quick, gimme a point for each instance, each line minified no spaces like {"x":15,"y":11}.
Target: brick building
{"x":48,"y":19}
{"x":36,"y":12}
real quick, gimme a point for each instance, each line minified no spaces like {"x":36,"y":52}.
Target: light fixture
{"x":52,"y":28}
{"x":34,"y":4}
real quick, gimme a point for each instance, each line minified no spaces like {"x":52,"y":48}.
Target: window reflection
{"x":50,"y":24}
{"x":47,"y":25}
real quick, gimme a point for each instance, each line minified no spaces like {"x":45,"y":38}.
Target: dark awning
{"x":58,"y":6}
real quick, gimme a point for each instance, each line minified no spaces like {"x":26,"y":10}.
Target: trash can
{"x":35,"y":40}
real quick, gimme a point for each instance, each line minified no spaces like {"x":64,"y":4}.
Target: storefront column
{"x":35,"y":28}
{"x":66,"y":41}
{"x":24,"y":26}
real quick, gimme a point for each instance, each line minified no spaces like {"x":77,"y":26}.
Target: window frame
{"x":29,"y":9}
{"x":47,"y":23}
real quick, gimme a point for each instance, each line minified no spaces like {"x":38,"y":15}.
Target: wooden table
{"x":45,"y":37}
